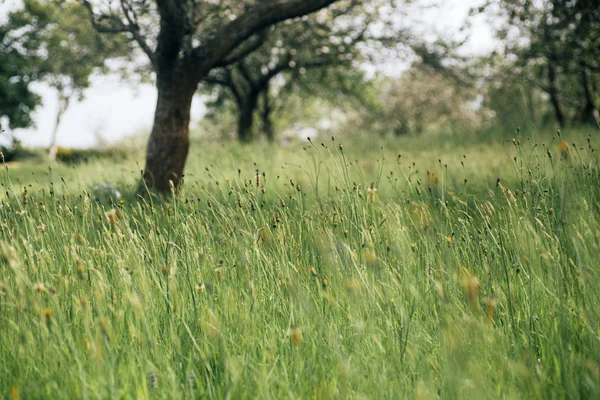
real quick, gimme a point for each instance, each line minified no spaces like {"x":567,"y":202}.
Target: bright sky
{"x":112,"y":110}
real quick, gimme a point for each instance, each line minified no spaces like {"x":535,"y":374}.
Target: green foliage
{"x":325,"y":272}
{"x":16,"y":73}
{"x":71,"y":49}
{"x":553,"y":47}
{"x":54,"y":42}
{"x":425,"y":101}
{"x":317,"y":55}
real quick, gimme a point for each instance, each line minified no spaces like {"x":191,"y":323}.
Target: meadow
{"x":372,"y":268}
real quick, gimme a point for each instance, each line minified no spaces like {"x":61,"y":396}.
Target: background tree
{"x":184,"y":40}
{"x":554,"y":45}
{"x":65,"y":49}
{"x":17,"y":71}
{"x":325,"y":40}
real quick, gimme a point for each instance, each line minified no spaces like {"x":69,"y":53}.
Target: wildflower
{"x":564,"y":150}
{"x":122,"y":202}
{"x":295,"y":336}
{"x":371,"y":192}
{"x":42,"y":228}
{"x":346,"y":232}
{"x":201,"y":288}
{"x":14,"y":391}
{"x":449,"y":239}
{"x":39,"y":287}
{"x":48,"y":315}
{"x":312,"y":271}
{"x":413,"y":247}
{"x":325,"y":283}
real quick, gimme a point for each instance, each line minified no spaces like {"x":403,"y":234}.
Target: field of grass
{"x":406,"y":268}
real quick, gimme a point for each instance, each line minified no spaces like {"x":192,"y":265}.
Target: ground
{"x":379,"y":268}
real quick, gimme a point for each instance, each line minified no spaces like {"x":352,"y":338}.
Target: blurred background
{"x":436,"y":69}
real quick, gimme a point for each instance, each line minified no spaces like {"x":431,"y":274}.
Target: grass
{"x":451,"y":271}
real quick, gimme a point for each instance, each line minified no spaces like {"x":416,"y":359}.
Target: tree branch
{"x":243,"y":50}
{"x":135,"y":31}
{"x":115,"y":25}
{"x":263,"y":14}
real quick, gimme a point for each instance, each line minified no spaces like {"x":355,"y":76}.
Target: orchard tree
{"x":17,"y":71}
{"x":554,"y":44}
{"x":325,"y":40}
{"x":184,"y":40}
{"x":64,"y":48}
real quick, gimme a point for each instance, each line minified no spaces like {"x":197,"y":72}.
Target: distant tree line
{"x":259,"y":65}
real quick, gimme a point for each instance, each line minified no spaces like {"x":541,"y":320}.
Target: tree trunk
{"x":590,"y":112}
{"x":169,"y":140}
{"x":63,"y":104}
{"x":266,"y":117}
{"x":246,"y":118}
{"x":553,"y":92}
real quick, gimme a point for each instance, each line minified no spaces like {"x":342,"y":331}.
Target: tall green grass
{"x":321,"y":271}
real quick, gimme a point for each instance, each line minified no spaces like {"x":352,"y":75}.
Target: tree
{"x":17,"y":71}
{"x":556,"y":45}
{"x":184,"y":40}
{"x":327,"y":40}
{"x":66,"y":48}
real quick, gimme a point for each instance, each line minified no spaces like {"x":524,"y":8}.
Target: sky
{"x":113,"y":110}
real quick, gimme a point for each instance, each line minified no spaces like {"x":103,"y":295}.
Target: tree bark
{"x":267,"y":125}
{"x":169,"y":140}
{"x":590,"y":112}
{"x":247,"y":106}
{"x":63,"y":104}
{"x":553,"y":92}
